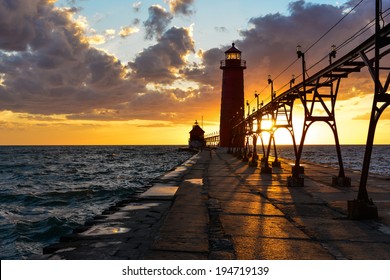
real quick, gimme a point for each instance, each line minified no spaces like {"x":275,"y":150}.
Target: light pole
{"x":297,"y":178}
{"x":271,"y":82}
{"x":292,"y":81}
{"x":332,"y":53}
{"x":302,"y":55}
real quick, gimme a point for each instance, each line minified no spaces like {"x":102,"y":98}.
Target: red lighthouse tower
{"x":232,"y":100}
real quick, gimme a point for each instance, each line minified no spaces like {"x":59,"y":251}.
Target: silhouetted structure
{"x":232,"y":98}
{"x":196,"y":137}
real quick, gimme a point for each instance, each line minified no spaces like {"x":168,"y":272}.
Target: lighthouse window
{"x":232,"y":56}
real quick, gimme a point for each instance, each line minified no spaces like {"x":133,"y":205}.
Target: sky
{"x":129,"y":72}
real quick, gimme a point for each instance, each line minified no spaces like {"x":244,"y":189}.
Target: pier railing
{"x":212,"y":139}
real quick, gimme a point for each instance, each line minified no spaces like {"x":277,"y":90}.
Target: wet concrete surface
{"x":215,"y":206}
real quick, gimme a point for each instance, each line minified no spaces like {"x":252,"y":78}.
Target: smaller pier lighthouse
{"x":196,"y":140}
{"x":232,"y":98}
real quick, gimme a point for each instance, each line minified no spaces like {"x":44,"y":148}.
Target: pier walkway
{"x":217,"y":207}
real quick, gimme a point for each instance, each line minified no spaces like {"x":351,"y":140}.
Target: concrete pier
{"x":215,"y":206}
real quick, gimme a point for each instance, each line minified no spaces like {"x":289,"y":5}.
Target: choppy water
{"x":46,"y":191}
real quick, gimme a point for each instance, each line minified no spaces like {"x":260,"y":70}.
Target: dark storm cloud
{"x":18,"y":23}
{"x":159,"y":62}
{"x":183,"y":7}
{"x":158,"y":21}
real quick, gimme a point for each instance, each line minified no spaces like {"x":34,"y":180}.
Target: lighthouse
{"x":196,"y":141}
{"x":232,"y":98}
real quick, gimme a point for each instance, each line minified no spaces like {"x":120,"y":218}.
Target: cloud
{"x":71,"y":2}
{"x":206,"y":73}
{"x":183,"y":7}
{"x":366,"y":116}
{"x":158,"y":21}
{"x":137,"y":6}
{"x":41,"y":118}
{"x":127,"y":31}
{"x":220,"y":29}
{"x":97,"y":39}
{"x":17,"y":23}
{"x":110,"y":33}
{"x":160,"y":62}
{"x":158,"y":125}
{"x":136,"y":21}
